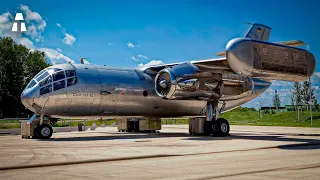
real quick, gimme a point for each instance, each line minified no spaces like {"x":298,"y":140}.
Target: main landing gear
{"x":211,"y":124}
{"x":214,"y":125}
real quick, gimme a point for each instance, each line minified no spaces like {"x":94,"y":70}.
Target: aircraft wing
{"x":219,"y":64}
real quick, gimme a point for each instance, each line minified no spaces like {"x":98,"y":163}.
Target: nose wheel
{"x":43,"y":131}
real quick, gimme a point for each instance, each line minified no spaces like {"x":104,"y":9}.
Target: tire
{"x":221,"y":127}
{"x":44,"y":131}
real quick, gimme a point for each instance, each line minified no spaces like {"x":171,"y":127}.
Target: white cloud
{"x":151,"y":63}
{"x":58,"y":49}
{"x":131,"y":45}
{"x":26,"y":42}
{"x":35,"y":23}
{"x":134,"y":58}
{"x":142,"y":56}
{"x":55,"y":56}
{"x":110,"y":44}
{"x":69,"y":39}
{"x":6,"y":24}
{"x":6,"y":20}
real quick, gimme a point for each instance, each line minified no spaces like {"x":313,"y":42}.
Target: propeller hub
{"x":163,"y":84}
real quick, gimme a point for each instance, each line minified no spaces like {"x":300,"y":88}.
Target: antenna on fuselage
{"x":84,"y":61}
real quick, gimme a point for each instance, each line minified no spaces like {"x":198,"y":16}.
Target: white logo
{"x":19,"y":17}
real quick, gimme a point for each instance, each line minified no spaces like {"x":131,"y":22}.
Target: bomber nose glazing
{"x":28,"y":95}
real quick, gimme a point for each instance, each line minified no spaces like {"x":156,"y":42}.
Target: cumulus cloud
{"x":68,"y":39}
{"x":6,"y":24}
{"x":134,"y":58}
{"x":35,"y":23}
{"x":110,"y":44}
{"x":142,"y":56}
{"x":131,"y":45}
{"x":26,"y":42}
{"x":55,"y":56}
{"x":35,"y":26}
{"x":284,"y":91}
{"x":139,"y":57}
{"x":151,"y":63}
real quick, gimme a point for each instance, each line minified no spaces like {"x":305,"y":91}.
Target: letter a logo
{"x":19,"y":17}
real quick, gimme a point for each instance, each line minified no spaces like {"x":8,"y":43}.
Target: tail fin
{"x":258,"y":32}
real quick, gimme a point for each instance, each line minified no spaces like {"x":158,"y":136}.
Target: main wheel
{"x":221,"y":127}
{"x":44,"y":131}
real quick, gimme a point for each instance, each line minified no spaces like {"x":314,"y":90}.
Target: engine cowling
{"x":181,"y":82}
{"x":270,"y":61}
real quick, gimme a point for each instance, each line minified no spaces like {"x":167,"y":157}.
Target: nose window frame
{"x":59,"y":75}
{"x":46,"y":89}
{"x":45,"y":81}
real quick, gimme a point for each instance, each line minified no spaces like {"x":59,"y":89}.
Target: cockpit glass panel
{"x":52,"y":70}
{"x":58,"y":76}
{"x":42,"y":76}
{"x":41,"y":72}
{"x":46,"y":81}
{"x":31,"y":84}
{"x":46,"y":89}
{"x":59,"y":85}
{"x":72,"y":81}
{"x":70,"y":73}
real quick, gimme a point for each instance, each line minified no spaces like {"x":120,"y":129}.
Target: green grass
{"x":239,"y":116}
{"x":88,"y":122}
{"x":7,"y":124}
{"x":280,"y":119}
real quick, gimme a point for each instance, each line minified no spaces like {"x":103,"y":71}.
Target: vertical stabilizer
{"x":259,"y":32}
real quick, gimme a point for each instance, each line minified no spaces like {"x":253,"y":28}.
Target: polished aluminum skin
{"x":108,"y":92}
{"x":170,"y":90}
{"x":270,"y":61}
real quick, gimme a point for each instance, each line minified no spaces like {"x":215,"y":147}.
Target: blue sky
{"x":129,"y":33}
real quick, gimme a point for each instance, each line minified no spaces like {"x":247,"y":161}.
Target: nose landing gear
{"x":43,"y":131}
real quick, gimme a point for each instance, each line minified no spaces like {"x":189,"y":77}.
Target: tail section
{"x":259,"y":32}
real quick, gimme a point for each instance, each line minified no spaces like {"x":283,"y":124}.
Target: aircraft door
{"x":109,"y":96}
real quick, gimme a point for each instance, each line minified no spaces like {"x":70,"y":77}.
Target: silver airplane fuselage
{"x":88,"y":91}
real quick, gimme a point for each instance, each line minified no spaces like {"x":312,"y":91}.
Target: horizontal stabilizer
{"x":293,"y":43}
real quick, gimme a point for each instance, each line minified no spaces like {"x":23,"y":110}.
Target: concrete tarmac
{"x":251,"y":152}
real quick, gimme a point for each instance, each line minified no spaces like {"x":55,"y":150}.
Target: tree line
{"x":302,"y":97}
{"x":18,"y":65}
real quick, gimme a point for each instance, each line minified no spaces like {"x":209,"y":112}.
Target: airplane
{"x":187,"y":89}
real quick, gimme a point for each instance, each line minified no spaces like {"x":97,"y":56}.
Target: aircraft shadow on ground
{"x":299,"y":143}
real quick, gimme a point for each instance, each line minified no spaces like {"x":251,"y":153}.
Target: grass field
{"x":239,"y":116}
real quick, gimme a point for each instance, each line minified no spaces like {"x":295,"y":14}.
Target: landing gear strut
{"x":41,"y":128}
{"x":215,"y":125}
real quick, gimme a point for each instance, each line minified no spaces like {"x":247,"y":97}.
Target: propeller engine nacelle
{"x":181,"y":82}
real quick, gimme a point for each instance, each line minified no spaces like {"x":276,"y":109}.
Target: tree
{"x":307,"y":94}
{"x":260,"y":103}
{"x":18,"y":65}
{"x":276,"y":100}
{"x":296,"y":98}
{"x":315,"y":105}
